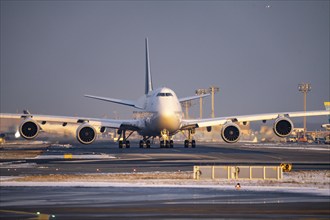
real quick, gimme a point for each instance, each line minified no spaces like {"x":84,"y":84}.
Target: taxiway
{"x":140,"y":200}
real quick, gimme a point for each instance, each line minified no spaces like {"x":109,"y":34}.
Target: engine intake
{"x":283,"y":127}
{"x":86,"y":134}
{"x":230,"y":133}
{"x":29,"y":129}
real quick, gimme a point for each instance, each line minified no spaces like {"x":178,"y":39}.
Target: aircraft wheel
{"x":171,"y":143}
{"x":141,"y":144}
{"x":148,"y":144}
{"x":193,"y":143}
{"x":186,"y":143}
{"x":128,"y":145}
{"x":120,"y":144}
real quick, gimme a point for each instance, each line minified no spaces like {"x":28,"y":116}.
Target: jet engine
{"x":29,"y":129}
{"x":283,"y":127}
{"x":230,"y":132}
{"x":86,"y":134}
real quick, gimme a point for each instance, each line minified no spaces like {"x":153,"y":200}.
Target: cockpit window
{"x":164,"y":94}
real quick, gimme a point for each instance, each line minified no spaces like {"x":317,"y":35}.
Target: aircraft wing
{"x":95,"y":122}
{"x":117,"y":101}
{"x":196,"y":123}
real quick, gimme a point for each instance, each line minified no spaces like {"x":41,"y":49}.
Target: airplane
{"x":162,"y":117}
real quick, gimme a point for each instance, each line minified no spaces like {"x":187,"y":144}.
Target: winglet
{"x":148,"y":82}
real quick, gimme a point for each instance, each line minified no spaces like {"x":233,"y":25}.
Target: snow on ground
{"x":77,"y":156}
{"x":316,"y":147}
{"x":25,"y":142}
{"x":17,"y":164}
{"x":196,"y":184}
{"x":61,"y":145}
{"x":316,"y":182}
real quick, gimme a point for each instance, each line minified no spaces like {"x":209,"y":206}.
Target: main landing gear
{"x":190,"y":141}
{"x":145,"y":142}
{"x":123,"y":140}
{"x":165,"y":140}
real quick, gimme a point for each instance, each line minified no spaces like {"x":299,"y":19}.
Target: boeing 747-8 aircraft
{"x":162,"y":117}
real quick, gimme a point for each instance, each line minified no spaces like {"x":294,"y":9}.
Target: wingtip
{"x":88,"y":96}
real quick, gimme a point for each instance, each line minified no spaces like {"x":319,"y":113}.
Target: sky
{"x":256,"y":52}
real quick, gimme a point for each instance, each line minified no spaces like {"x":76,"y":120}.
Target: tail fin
{"x":148,"y":85}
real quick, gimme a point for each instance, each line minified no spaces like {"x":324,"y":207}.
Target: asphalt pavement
{"x":72,"y":202}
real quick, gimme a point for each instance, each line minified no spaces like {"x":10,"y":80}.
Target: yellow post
{"x":196,"y":173}
{"x":67,"y":156}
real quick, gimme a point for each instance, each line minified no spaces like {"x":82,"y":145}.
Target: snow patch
{"x":310,"y":190}
{"x":75,"y":156}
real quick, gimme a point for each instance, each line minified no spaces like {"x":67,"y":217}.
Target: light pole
{"x":201,"y":92}
{"x":304,"y":88}
{"x":213,"y":89}
{"x":187,"y":105}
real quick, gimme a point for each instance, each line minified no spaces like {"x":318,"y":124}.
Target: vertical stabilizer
{"x":148,"y":86}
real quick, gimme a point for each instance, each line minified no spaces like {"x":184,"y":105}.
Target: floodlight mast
{"x":187,"y":105}
{"x":201,"y":92}
{"x":213,"y":90}
{"x":304,"y":88}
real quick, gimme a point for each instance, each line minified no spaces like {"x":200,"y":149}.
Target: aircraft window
{"x":164,"y":94}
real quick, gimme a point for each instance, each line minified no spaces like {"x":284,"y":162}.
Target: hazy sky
{"x":52,"y":53}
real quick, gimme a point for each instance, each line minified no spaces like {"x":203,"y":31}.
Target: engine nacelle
{"x":86,"y":134}
{"x":230,"y":132}
{"x":29,"y":129}
{"x":283,"y":127}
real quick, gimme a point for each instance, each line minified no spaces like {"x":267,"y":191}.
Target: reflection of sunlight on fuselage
{"x":168,"y":110}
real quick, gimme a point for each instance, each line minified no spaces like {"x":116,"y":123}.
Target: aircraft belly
{"x":155,"y":125}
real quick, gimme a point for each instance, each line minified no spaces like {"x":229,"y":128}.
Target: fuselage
{"x":162,"y":111}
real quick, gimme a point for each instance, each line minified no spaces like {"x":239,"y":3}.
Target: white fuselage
{"x":162,"y":111}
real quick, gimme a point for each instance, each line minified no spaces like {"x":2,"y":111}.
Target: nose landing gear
{"x":165,"y":139}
